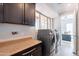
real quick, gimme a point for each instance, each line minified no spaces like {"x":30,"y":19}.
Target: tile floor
{"x":66,"y":49}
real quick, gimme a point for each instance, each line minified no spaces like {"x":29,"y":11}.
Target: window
{"x":37,"y":21}
{"x":43,"y":22}
{"x":49,"y":23}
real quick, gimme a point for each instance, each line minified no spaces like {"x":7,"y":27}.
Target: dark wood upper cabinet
{"x":1,"y":12}
{"x":13,"y":13}
{"x":18,"y":13}
{"x":29,"y":14}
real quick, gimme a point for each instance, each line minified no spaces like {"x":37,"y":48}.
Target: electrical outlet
{"x":14,"y":33}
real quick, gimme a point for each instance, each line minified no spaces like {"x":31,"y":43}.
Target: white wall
{"x":44,"y":9}
{"x":57,"y":23}
{"x":23,"y":30}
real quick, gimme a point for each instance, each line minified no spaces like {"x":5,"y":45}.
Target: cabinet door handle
{"x":29,"y":51}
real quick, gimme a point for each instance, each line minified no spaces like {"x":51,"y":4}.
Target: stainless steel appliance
{"x":48,"y":41}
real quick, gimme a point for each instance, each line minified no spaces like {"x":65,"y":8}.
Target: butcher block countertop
{"x":8,"y":48}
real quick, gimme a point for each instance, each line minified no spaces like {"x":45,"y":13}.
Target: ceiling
{"x":63,"y":7}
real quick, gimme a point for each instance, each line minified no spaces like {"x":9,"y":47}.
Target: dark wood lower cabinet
{"x":32,"y":51}
{"x":37,"y":52}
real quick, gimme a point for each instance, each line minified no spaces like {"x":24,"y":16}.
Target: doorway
{"x":68,"y":33}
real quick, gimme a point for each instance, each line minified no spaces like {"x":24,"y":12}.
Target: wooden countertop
{"x":14,"y":46}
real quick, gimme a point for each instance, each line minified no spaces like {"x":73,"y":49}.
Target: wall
{"x":23,"y":30}
{"x":44,"y":9}
{"x":57,"y":23}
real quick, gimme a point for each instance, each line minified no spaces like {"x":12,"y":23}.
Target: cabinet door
{"x":37,"y":52}
{"x":1,"y":12}
{"x":13,"y":13}
{"x":32,"y":51}
{"x":29,"y":14}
